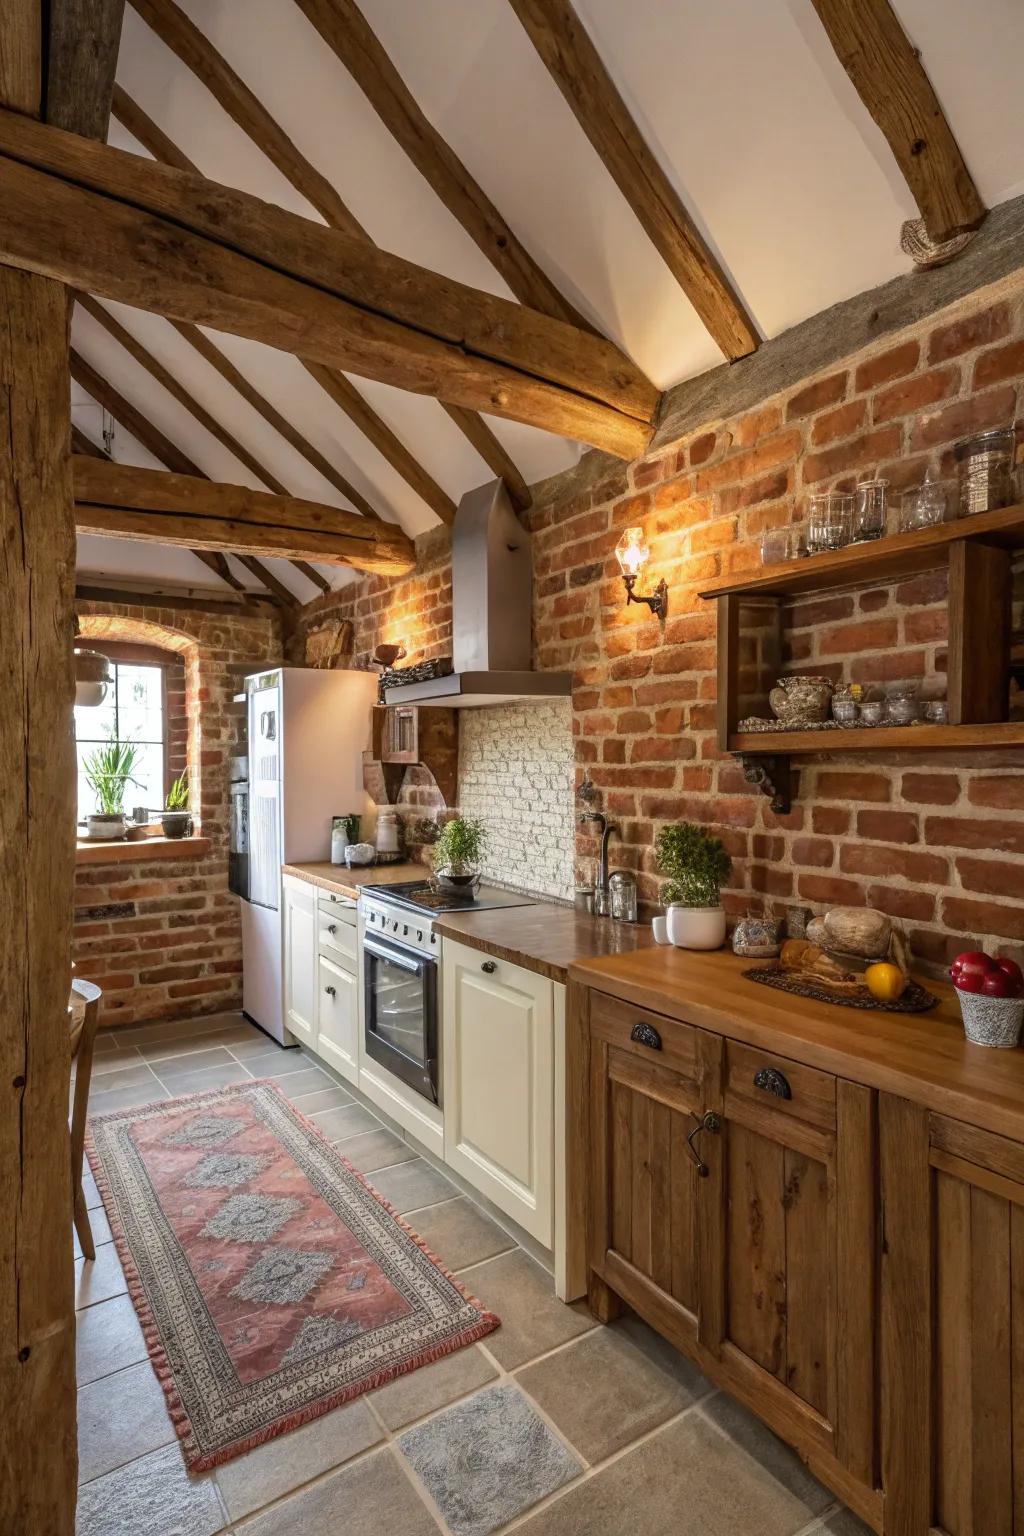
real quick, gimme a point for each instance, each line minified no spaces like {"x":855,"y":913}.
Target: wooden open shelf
{"x":901,"y":554}
{"x":978,"y":553}
{"x":891,"y":738}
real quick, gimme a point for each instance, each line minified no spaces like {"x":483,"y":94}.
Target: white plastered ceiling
{"x":743,"y":102}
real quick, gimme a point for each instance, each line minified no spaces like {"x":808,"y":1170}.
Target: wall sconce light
{"x":632,"y":554}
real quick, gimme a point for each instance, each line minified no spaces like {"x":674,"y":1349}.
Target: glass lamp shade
{"x":92,"y":677}
{"x":631,"y":552}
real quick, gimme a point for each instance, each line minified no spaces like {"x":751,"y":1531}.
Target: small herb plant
{"x":696,"y":864}
{"x":107,"y":770}
{"x":461,"y":843}
{"x":177,"y":795}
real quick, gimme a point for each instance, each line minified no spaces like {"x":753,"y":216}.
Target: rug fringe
{"x":195,"y":1460}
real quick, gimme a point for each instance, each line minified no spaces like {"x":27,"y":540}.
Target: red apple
{"x":970,"y":981}
{"x":997,"y":984}
{"x":973,"y":959}
{"x":1015,"y":975}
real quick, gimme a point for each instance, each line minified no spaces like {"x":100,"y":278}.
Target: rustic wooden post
{"x":38,"y":1460}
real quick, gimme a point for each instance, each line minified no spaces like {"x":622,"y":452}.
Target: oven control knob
{"x":419,"y":935}
{"x":433,"y":938}
{"x":405,"y":930}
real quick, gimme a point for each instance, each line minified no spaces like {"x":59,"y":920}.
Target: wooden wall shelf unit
{"x":977,"y":552}
{"x":403,"y":735}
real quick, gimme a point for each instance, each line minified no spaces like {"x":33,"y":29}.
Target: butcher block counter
{"x":921,"y":1056}
{"x":546,"y":937}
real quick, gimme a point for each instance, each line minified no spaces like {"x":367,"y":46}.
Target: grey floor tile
{"x":421,"y":1392}
{"x":842,"y":1522}
{"x":100,"y":1228}
{"x":133,"y":1074}
{"x":767,"y":1449}
{"x":488,"y":1460}
{"x":687,"y":1480}
{"x":108,"y":1103}
{"x":250,"y":1041}
{"x":114,"y":1061}
{"x":173,"y":1030}
{"x":373,"y":1149}
{"x":410,"y":1185}
{"x":372,"y":1498}
{"x":460,"y":1234}
{"x":320,"y":1098}
{"x":203,"y":1081}
{"x":108,"y":1338}
{"x":93,"y":1198}
{"x":273,"y":1062}
{"x":153,"y":1496}
{"x":120,"y":1417}
{"x":613,"y":1385}
{"x":335,"y":1124}
{"x":533,"y":1320}
{"x":292,"y":1084}
{"x":288,"y":1461}
{"x":170,"y":1067}
{"x":100,"y":1278}
{"x":181,"y":1045}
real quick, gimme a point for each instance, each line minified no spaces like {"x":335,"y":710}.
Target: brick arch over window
{"x":183,"y":723}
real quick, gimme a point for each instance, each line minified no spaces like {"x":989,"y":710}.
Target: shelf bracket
{"x":772,"y":777}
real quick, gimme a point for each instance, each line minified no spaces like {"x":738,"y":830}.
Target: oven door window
{"x":401,"y":1024}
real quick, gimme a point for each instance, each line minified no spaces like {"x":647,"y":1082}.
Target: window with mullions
{"x":132,"y":711}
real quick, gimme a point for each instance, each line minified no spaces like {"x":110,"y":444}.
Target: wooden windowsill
{"x":143,"y":851}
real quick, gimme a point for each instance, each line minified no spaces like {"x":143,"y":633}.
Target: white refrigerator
{"x":307,"y":731}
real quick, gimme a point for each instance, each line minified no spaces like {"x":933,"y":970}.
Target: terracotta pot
{"x":696,"y":927}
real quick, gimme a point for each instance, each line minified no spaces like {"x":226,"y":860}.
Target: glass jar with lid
{"x":986,"y":471}
{"x":923,"y":506}
{"x":622,"y":900}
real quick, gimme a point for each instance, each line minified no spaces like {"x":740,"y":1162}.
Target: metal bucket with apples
{"x":991,"y":993}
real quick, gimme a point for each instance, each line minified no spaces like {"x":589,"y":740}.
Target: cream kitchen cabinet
{"x":499,"y":1084}
{"x":300,"y":921}
{"x":337,"y":1039}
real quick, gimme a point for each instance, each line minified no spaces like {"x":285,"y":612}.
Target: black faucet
{"x":607,"y":828}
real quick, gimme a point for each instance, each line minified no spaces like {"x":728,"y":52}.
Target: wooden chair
{"x":84,"y":1014}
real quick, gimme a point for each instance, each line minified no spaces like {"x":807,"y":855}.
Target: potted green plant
{"x":697,"y":866}
{"x":458,"y":851}
{"x":108,"y":769}
{"x":175,"y":818}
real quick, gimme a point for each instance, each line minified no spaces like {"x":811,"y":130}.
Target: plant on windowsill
{"x":108,"y":770}
{"x":457,"y":853}
{"x":176,"y":818}
{"x":697,"y":866}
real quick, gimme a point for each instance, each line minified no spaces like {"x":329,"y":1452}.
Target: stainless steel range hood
{"x":492,"y":613}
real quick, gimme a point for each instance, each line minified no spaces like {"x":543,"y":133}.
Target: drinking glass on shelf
{"x":776,"y":545}
{"x":924,"y":506}
{"x":872,"y":510}
{"x":829,"y":521}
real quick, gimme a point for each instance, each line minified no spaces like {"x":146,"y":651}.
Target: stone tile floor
{"x":552,"y":1426}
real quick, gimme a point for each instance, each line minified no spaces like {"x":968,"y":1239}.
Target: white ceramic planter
{"x":696,"y":927}
{"x":106,"y":829}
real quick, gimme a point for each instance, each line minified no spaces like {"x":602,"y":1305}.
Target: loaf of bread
{"x":801,"y":955}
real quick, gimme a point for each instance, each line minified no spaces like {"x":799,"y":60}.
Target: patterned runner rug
{"x":271,"y":1281}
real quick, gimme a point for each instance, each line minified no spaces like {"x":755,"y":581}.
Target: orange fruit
{"x":884,"y":981}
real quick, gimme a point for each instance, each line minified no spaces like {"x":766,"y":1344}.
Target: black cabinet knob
{"x":489,"y":966}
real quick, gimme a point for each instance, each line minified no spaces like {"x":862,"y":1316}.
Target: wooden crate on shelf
{"x":403,"y":735}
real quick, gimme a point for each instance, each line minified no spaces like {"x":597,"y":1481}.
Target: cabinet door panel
{"x":809,"y":1293}
{"x":300,"y":964}
{"x":756,"y":1248}
{"x":338,"y":1018}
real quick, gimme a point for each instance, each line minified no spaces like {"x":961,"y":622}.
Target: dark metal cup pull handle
{"x":646,"y":1034}
{"x":330,"y":991}
{"x":709,"y":1122}
{"x":771,"y":1080}
{"x":332,"y":927}
{"x":489,"y":966}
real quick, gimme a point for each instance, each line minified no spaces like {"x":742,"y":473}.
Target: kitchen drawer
{"x":757,"y":1077}
{"x":642,"y":1034}
{"x":336,"y":934}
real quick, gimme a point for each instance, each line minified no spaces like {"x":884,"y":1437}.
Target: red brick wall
{"x":162,"y":937}
{"x":931,"y":839}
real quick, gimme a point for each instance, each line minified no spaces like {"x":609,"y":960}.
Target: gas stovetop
{"x":421,"y":896}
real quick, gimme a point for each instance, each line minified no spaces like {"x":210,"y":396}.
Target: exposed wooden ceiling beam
{"x":183,"y":509}
{"x":346,"y":31}
{"x":184,"y":38}
{"x":82,"y":444}
{"x":890,"y":80}
{"x":90,"y":589}
{"x":312,"y":574}
{"x":373,"y":427}
{"x":160,"y":239}
{"x":81,"y":57}
{"x":21,"y":56}
{"x":197,"y":51}
{"x":577,"y":69}
{"x":178,"y":392}
{"x":280,"y":591}
{"x":219,"y":563}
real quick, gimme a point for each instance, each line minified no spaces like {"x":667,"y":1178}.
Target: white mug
{"x":659,"y":927}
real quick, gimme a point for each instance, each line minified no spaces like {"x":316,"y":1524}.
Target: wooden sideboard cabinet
{"x":733,"y":1205}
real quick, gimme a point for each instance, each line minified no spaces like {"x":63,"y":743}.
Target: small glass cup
{"x":936,"y":712}
{"x":872,"y":711}
{"x":776,"y":546}
{"x":903,"y":707}
{"x":830,"y":521}
{"x":923,"y":507}
{"x":844,"y":709}
{"x":872,"y":510}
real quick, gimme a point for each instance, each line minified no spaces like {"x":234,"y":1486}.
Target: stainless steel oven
{"x":401,"y":1011}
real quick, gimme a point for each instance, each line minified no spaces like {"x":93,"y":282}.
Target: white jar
{"x":696,"y":927}
{"x":387,"y":830}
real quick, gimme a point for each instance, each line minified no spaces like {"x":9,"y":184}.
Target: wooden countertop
{"x":335,"y":877}
{"x":920,"y":1056}
{"x":546,"y":937}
